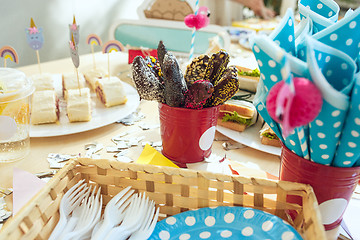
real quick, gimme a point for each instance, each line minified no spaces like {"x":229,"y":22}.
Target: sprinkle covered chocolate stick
{"x":198,"y":93}
{"x":147,"y":83}
{"x":225,"y":89}
{"x":175,"y":86}
{"x":161,"y":51}
{"x":196,"y":69}
{"x":216,"y":66}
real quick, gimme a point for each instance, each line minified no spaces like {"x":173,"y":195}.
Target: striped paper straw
{"x":193,"y":32}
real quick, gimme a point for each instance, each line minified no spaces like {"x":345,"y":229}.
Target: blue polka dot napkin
{"x":348,"y":152}
{"x":343,"y":35}
{"x":323,"y":13}
{"x":326,"y":51}
{"x":273,"y":63}
{"x":328,"y":68}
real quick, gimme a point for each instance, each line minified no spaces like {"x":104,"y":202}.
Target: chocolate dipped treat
{"x":161,"y":51}
{"x":175,"y":86}
{"x":196,"y":69}
{"x":147,"y":83}
{"x":225,"y":88}
{"x":198,"y":93}
{"x":216,"y":66}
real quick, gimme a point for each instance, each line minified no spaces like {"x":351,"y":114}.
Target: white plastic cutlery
{"x":70,"y":200}
{"x":147,"y":226}
{"x":89,"y":217}
{"x":134,"y":214}
{"x":114,"y":213}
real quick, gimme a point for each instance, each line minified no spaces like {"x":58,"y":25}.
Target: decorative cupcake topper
{"x":197,"y":21}
{"x":74,"y":31}
{"x":93,"y":39}
{"x":112,"y":46}
{"x":75,"y":57}
{"x":8,"y":52}
{"x":35,"y":39}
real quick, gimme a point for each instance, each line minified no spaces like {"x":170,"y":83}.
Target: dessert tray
{"x":250,"y":137}
{"x":101,"y":116}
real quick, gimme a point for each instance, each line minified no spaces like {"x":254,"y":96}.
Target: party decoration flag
{"x":35,"y":39}
{"x":74,"y":31}
{"x":112,"y":46}
{"x":7,"y":52}
{"x":93,"y":39}
{"x":74,"y":53}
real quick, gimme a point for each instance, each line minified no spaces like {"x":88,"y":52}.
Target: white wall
{"x":54,"y":16}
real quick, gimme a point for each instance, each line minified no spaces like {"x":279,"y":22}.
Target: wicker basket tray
{"x":174,"y":191}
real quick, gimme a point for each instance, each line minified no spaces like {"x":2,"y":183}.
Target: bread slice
{"x":271,"y":142}
{"x":232,"y":125}
{"x":247,"y":83}
{"x":265,"y":130}
{"x":245,"y":110}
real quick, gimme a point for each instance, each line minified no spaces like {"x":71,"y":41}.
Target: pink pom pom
{"x":198,"y":21}
{"x":305,"y":105}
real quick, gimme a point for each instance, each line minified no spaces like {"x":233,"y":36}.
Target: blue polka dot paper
{"x":343,"y":35}
{"x":284,"y":33}
{"x":348,"y":152}
{"x":224,"y":223}
{"x":325,"y":130}
{"x":323,"y":13}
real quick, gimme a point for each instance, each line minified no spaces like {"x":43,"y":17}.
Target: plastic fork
{"x":132,"y":219}
{"x":147,"y":226}
{"x":69,"y":201}
{"x":89,"y":217}
{"x":114,"y":212}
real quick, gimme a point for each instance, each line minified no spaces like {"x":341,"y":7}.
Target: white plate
{"x":101,"y":116}
{"x":250,"y":137}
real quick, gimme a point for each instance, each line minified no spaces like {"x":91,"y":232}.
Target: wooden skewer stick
{"x":77,"y":75}
{"x":38,"y":59}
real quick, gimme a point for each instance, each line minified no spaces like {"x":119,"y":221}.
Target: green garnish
{"x":253,"y":73}
{"x":235,"y":117}
{"x":270,"y":135}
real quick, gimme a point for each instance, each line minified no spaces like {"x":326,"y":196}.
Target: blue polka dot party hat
{"x":324,"y":51}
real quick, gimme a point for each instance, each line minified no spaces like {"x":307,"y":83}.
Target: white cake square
{"x":70,"y":81}
{"x":93,"y":75}
{"x":43,"y":81}
{"x":78,"y":105}
{"x":110,"y":91}
{"x":44,"y":107}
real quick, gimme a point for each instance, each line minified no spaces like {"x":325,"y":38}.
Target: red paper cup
{"x":333,"y":186}
{"x":187,"y":134}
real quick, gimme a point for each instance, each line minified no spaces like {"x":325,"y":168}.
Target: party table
{"x":41,"y":147}
{"x":36,"y":162}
